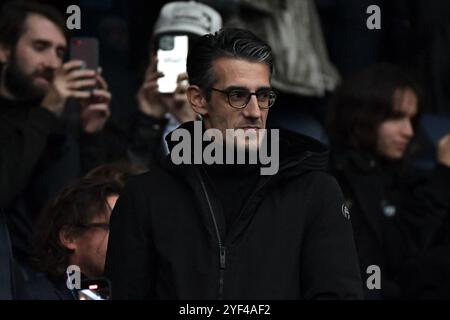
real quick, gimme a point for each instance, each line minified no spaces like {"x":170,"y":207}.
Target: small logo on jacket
{"x":345,"y":212}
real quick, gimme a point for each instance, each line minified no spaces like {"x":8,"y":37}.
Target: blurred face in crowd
{"x":89,"y":248}
{"x":240,"y":75}
{"x":394,"y":134}
{"x":30,"y":66}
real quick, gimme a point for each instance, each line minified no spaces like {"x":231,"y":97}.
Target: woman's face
{"x":395,"y":133}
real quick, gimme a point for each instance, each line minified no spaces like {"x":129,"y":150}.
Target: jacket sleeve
{"x":330,"y":267}
{"x":130,"y":254}
{"x":136,"y":139}
{"x":21,"y":147}
{"x":146,"y":139}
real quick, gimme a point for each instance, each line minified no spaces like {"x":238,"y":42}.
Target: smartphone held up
{"x":95,"y":289}
{"x":85,"y":49}
{"x":172,"y":55}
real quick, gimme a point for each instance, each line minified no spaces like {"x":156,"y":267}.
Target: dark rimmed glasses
{"x":239,"y":98}
{"x":104,"y":226}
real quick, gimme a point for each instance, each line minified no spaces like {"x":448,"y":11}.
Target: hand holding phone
{"x":95,"y":289}
{"x":149,"y":98}
{"x":68,"y":82}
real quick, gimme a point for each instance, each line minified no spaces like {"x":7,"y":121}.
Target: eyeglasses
{"x":104,"y":226}
{"x":239,"y":98}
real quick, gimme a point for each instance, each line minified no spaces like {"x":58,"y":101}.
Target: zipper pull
{"x":222,"y":257}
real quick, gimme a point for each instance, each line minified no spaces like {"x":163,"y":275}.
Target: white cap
{"x":189,"y":17}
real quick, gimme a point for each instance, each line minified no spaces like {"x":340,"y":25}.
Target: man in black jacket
{"x":214,"y":231}
{"x":37,"y":154}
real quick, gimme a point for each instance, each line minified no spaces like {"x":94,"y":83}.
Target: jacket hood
{"x":297,"y":152}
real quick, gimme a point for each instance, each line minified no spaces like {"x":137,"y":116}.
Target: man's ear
{"x":197,"y":100}
{"x":67,"y":239}
{"x":5,"y":53}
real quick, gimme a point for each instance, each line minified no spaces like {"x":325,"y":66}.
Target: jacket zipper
{"x":222,"y":248}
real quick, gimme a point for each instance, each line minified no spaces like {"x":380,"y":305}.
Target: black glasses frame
{"x":227,"y":93}
{"x":94,"y":225}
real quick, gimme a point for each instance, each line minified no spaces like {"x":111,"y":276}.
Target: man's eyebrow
{"x":236,"y":88}
{"x":264,"y":88}
{"x":245,"y":88}
{"x":48,"y":43}
{"x":42,"y":41}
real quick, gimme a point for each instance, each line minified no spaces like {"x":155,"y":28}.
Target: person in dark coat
{"x":228,"y":231}
{"x":39,"y":154}
{"x":396,"y":212}
{"x":73,"y":231}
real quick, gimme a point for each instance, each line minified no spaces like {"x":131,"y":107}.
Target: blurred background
{"x":331,"y":35}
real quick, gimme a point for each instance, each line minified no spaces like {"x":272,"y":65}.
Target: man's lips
{"x":48,"y":76}
{"x":43,"y":79}
{"x":249,"y":128}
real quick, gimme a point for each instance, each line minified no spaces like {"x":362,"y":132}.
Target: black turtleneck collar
{"x":234,"y":183}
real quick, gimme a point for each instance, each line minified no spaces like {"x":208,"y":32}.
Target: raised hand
{"x":68,"y":82}
{"x":150,"y":100}
{"x":443,"y":150}
{"x":95,"y":110}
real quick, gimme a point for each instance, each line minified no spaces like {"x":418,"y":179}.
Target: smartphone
{"x":95,"y":289}
{"x":172,"y":55}
{"x":85,"y":49}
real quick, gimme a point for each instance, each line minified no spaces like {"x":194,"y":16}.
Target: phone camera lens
{"x":166,"y":43}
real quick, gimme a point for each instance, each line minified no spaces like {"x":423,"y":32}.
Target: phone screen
{"x":172,"y":54}
{"x":85,"y":49}
{"x":95,"y":289}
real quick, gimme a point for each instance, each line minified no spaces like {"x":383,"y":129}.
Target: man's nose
{"x":52,"y":60}
{"x":252,"y":110}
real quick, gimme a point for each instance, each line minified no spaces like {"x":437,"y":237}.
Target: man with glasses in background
{"x":223,"y":231}
{"x":71,"y":235}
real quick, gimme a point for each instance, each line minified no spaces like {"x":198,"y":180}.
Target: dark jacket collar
{"x":344,"y":157}
{"x":363,"y":162}
{"x":298,"y":153}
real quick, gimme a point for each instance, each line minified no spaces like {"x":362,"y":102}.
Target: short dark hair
{"x":118,"y":171}
{"x":363,"y":101}
{"x":73,"y":208}
{"x":14,"y":14}
{"x":228,"y":42}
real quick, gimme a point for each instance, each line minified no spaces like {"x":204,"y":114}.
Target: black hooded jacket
{"x":396,"y":216}
{"x":168,"y":237}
